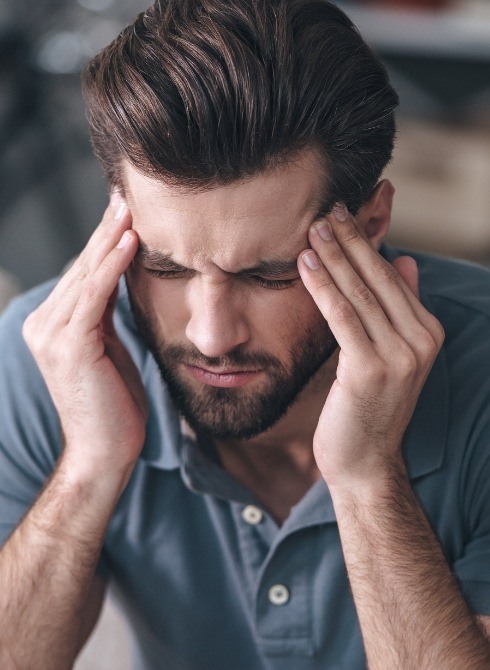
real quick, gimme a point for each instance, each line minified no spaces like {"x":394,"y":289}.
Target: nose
{"x":216,"y":325}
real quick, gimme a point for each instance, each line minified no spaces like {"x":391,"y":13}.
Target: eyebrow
{"x":269,"y":267}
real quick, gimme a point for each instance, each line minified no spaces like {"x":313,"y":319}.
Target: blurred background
{"x":52,"y":193}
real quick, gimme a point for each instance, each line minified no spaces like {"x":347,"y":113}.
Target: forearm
{"x":411,"y":611}
{"x":49,"y":594}
{"x":47,"y":569}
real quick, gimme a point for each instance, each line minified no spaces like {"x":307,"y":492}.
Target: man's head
{"x":230,"y":126}
{"x":202,"y":93}
{"x":215,"y":287}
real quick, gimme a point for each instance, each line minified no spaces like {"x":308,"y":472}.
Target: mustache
{"x":234,"y":358}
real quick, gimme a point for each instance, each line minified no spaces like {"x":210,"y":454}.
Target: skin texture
{"x":411,"y":613}
{"x":209,"y":313}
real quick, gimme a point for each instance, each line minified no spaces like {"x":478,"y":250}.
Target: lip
{"x":228,"y":379}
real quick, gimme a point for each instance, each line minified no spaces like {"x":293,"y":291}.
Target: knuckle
{"x":429,"y":342}
{"x":33,"y":332}
{"x":334,"y":253}
{"x":362,"y":294}
{"x":406,"y":361}
{"x":29,"y":327}
{"x":79,"y":267}
{"x":374,"y":372}
{"x":342,"y":311}
{"x":349,"y":234}
{"x":385,"y":272}
{"x":437,"y":331}
{"x":89,"y":292}
{"x":426,"y":341}
{"x":324,"y":283}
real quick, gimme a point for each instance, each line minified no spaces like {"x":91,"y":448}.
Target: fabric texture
{"x":193,"y":572}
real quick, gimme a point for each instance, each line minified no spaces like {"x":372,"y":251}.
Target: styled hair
{"x":200,"y":93}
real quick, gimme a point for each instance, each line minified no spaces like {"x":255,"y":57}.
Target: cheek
{"x":164,"y":301}
{"x":294,"y":306}
{"x":285,"y":316}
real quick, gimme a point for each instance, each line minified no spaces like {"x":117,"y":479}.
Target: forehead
{"x":229,"y":226}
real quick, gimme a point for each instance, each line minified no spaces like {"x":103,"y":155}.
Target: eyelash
{"x":276,"y":284}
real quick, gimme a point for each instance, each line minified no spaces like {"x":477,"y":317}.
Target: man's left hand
{"x":388,"y":342}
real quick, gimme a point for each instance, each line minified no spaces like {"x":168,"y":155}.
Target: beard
{"x":236,"y":413}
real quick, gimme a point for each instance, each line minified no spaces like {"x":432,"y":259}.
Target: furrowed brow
{"x":272,"y":267}
{"x":158,"y":260}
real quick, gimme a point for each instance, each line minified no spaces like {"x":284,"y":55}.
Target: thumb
{"x":409,"y":272}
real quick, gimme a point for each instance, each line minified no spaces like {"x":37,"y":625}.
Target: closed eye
{"x":274,"y":284}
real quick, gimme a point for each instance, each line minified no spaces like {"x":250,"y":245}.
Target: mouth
{"x":223,"y":378}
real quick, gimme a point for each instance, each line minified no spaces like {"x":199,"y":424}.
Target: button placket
{"x":283,"y":598}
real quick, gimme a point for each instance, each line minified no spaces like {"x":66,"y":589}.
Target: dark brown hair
{"x":201,"y":93}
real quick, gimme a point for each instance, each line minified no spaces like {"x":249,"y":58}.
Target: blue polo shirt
{"x":207,"y":579}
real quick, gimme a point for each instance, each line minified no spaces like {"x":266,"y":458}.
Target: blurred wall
{"x":52,"y":192}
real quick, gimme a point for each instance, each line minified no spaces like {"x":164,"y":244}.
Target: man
{"x":308,"y":485}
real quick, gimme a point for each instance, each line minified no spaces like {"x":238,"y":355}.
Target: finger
{"x":409,"y":281}
{"x":60,"y":304}
{"x":107,"y":321}
{"x":98,"y":290}
{"x":335,"y":307}
{"x":405,"y":312}
{"x":351,"y":285}
{"x":409,"y":272}
{"x":116,"y":219}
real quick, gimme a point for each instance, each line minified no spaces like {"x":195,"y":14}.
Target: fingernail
{"x":324,"y":230}
{"x":340,"y":211}
{"x":310,"y":259}
{"x":124,"y":240}
{"x":122,"y":208}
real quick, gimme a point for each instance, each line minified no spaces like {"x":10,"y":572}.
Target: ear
{"x":374,"y":216}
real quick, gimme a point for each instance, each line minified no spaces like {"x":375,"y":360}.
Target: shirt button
{"x":278,"y":594}
{"x":252,"y":515}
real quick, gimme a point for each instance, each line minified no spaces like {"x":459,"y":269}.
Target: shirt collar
{"x":163,"y":436}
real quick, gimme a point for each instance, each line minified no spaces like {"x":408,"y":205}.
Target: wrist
{"x":379,"y":482}
{"x":91,"y":477}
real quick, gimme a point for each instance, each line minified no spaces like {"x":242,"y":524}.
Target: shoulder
{"x":16,"y":359}
{"x":456,"y":283}
{"x":456,"y":291}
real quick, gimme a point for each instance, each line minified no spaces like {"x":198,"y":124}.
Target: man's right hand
{"x":95,"y":386}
